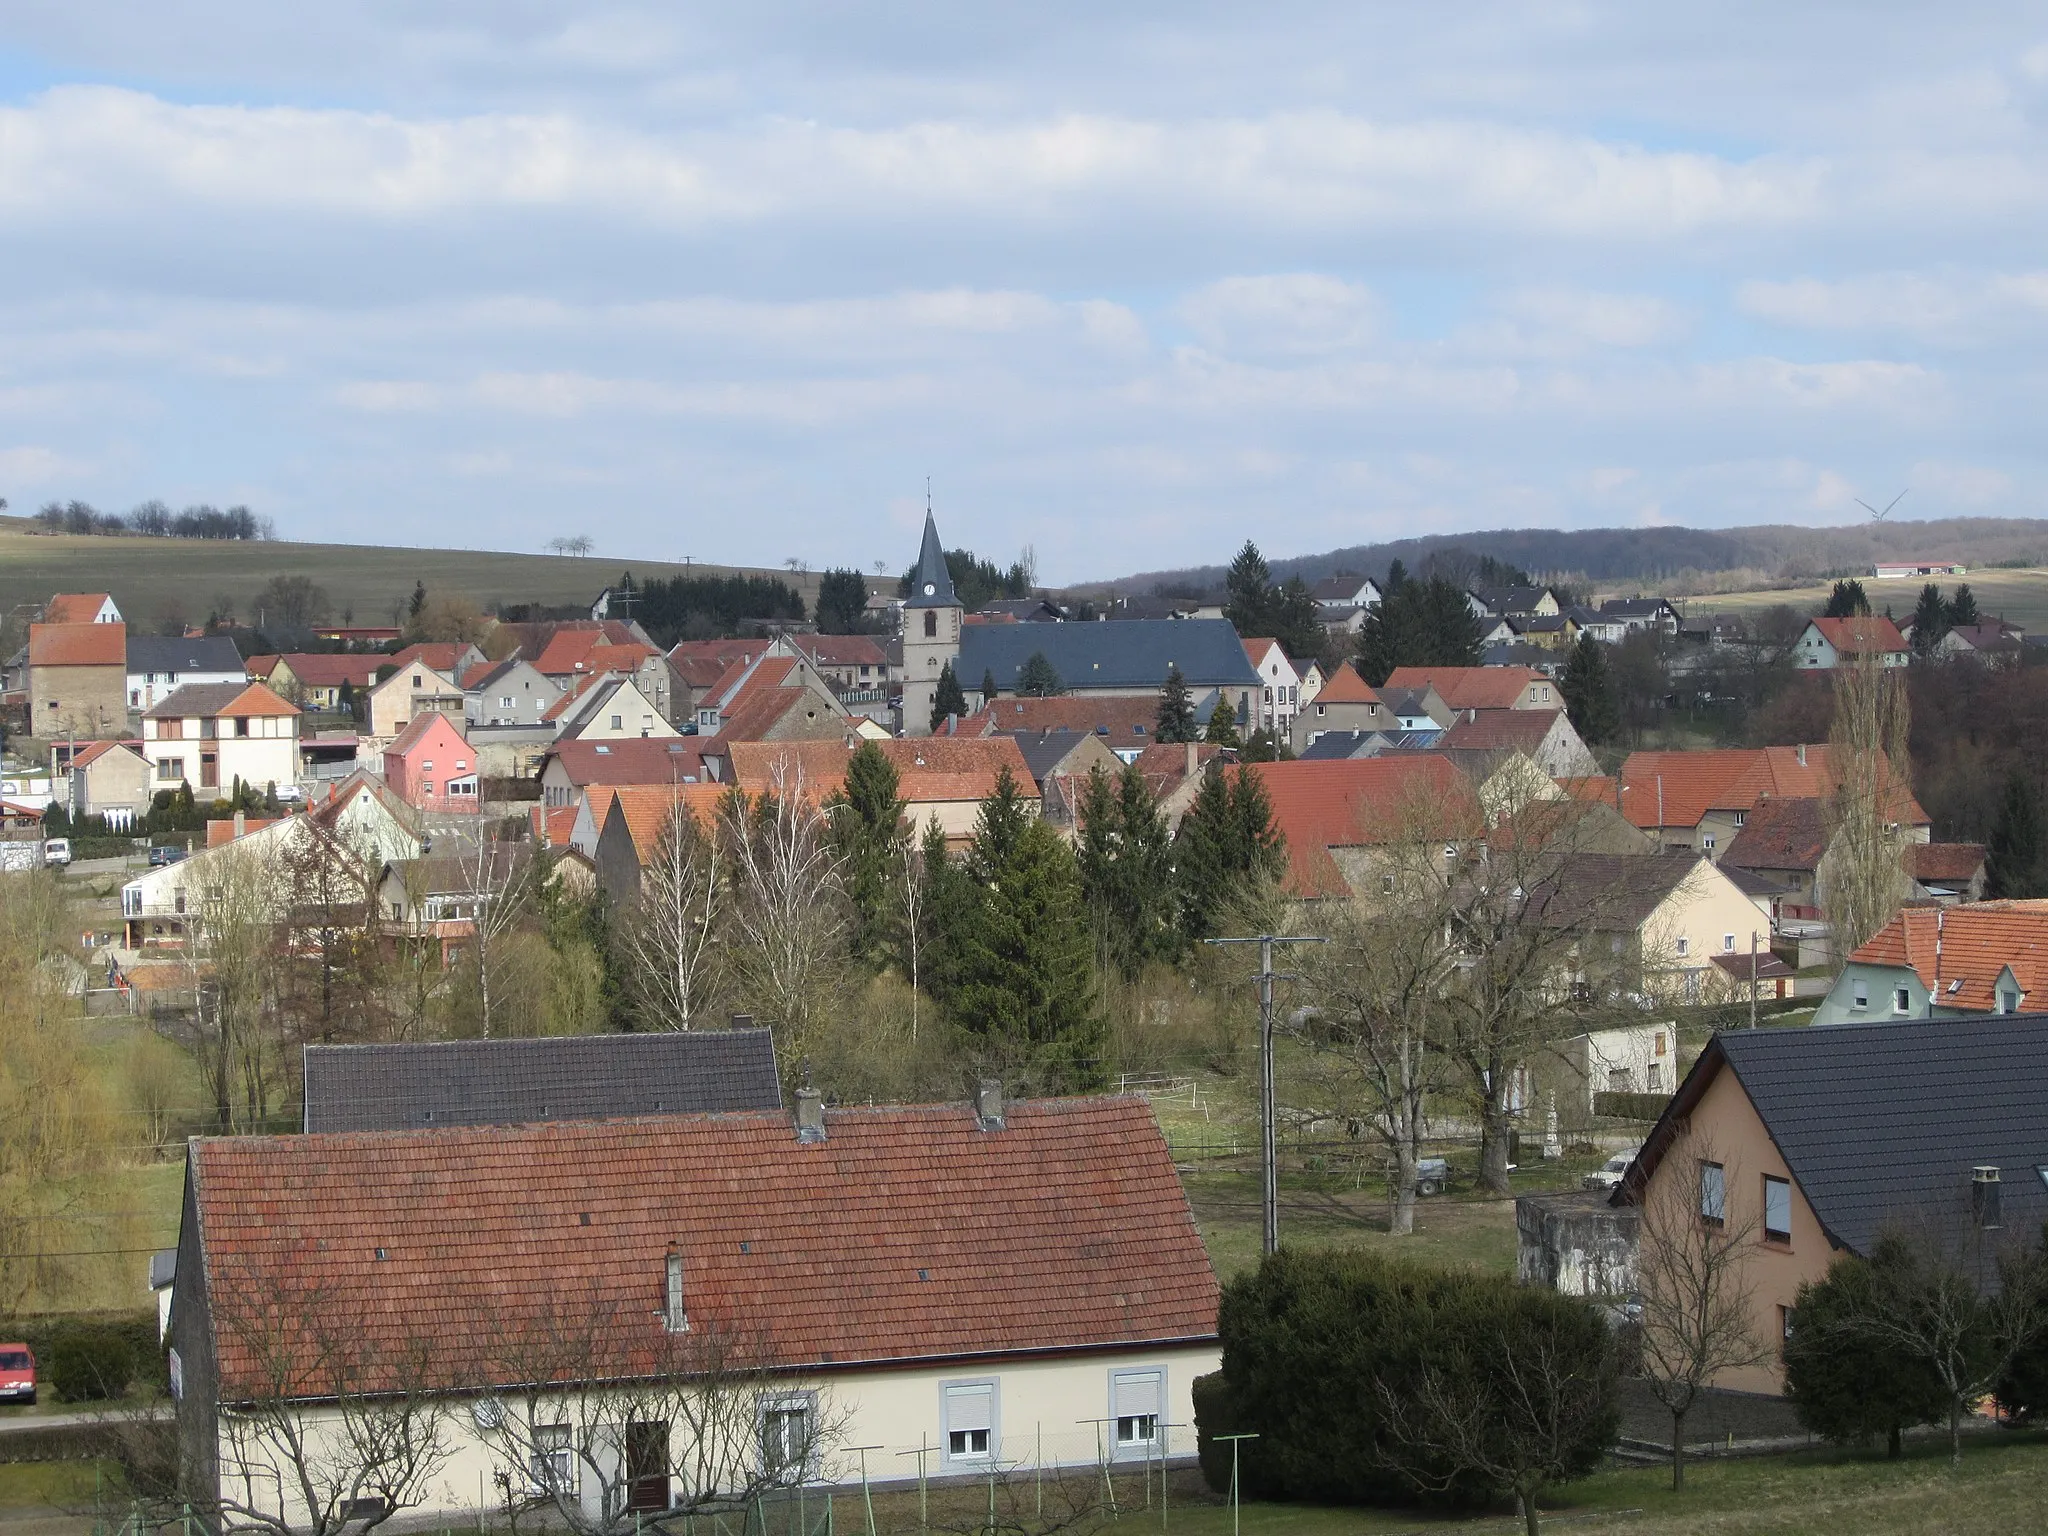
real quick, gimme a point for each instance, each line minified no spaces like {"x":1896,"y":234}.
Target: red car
{"x":17,"y":1374}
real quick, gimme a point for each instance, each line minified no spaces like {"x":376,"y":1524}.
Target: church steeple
{"x":932,"y":585}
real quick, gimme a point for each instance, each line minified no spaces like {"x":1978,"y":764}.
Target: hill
{"x":369,"y":581}
{"x":1675,"y":561}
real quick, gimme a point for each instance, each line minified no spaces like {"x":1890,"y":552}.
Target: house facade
{"x":110,"y":779}
{"x":431,"y":767}
{"x":1008,"y":1283}
{"x":1344,"y":702}
{"x":211,"y":735}
{"x":414,"y":688}
{"x":1279,"y":698}
{"x":160,"y":664}
{"x":1938,"y":962}
{"x":1482,"y":687}
{"x":1826,"y":643}
{"x":78,"y":679}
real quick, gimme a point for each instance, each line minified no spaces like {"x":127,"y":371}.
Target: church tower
{"x":931,"y":632}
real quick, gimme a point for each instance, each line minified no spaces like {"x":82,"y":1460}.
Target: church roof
{"x":932,"y":585}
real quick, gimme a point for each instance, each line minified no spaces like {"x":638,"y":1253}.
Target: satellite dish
{"x":488,"y":1412}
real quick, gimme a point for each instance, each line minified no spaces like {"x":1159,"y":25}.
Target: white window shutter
{"x":1135,"y":1392}
{"x":970,"y":1407}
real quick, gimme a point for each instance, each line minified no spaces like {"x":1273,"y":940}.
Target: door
{"x":647,"y":1466}
{"x":209,"y":771}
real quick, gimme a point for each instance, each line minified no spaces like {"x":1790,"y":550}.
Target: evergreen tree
{"x":1262,"y":746}
{"x":1845,"y":1390}
{"x":1037,"y":679}
{"x":1226,"y":852}
{"x":1176,"y":719}
{"x":1250,"y":587}
{"x":988,"y":686}
{"x":1930,"y":620}
{"x":1588,"y":690}
{"x":1126,"y":863}
{"x":1017,"y":974}
{"x":1295,"y":623}
{"x":1222,"y":730}
{"x":419,"y":600}
{"x":947,"y":699}
{"x":868,"y":835}
{"x":1847,"y":601}
{"x":1397,"y":577}
{"x":1418,"y":624}
{"x":1962,"y":608}
{"x":2017,"y":857}
{"x":842,"y":602}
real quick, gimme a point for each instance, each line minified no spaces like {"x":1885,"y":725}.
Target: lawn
{"x":2021,"y":596}
{"x":142,"y":574}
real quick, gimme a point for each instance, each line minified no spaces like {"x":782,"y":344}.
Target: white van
{"x":57,"y":850}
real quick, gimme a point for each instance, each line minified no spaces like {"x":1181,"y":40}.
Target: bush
{"x":1845,"y":1389}
{"x":1317,"y":1345}
{"x":89,"y":1362}
{"x":1631,"y":1106}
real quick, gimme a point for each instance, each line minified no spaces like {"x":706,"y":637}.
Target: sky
{"x":1124,"y":284}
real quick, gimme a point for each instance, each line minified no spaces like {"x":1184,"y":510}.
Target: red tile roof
{"x":1355,"y":802}
{"x":1689,"y":784}
{"x":78,"y":645}
{"x":647,"y":807}
{"x":1500,"y":730}
{"x":427,"y":723}
{"x":74,"y":607}
{"x":907,"y":1234}
{"x":1959,"y":952}
{"x":1346,"y":687}
{"x":1470,"y":687}
{"x":576,"y":651}
{"x":1853,"y":636}
{"x":441,"y":655}
{"x":928,"y":768}
{"x":1944,"y":862}
{"x":636,"y":760}
{"x":221,"y":830}
{"x":88,"y":755}
{"x":327,"y":671}
{"x":1129,"y":722}
{"x":552,"y":824}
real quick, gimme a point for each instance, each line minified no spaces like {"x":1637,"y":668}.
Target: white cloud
{"x":35,"y":467}
{"x":1287,"y":314}
{"x":1932,"y":307}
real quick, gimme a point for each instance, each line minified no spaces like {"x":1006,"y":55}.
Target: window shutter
{"x":970,"y":1407}
{"x":1135,"y":1392}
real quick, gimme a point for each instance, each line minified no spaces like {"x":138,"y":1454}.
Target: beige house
{"x":78,"y":680}
{"x":1654,"y":922}
{"x":414,"y":687}
{"x":608,"y":708}
{"x":1009,"y":1286}
{"x":110,"y":779}
{"x":211,"y":735}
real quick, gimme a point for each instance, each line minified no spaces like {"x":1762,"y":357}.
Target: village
{"x":959,"y":1042}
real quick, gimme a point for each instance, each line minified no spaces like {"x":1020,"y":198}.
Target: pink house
{"x":431,"y":767}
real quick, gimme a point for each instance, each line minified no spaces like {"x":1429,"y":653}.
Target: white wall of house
{"x":269,"y":754}
{"x":147,"y":689}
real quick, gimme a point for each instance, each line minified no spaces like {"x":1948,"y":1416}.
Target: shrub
{"x":1323,"y":1353}
{"x":1845,"y":1389}
{"x":88,"y":1362}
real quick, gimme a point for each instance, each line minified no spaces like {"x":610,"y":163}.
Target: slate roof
{"x":931,"y":572}
{"x":1132,"y":654}
{"x":1612,"y":892}
{"x":908,"y":1233}
{"x":1334,"y":746}
{"x":569,"y":1077}
{"x":1341,"y":588}
{"x":1043,"y":753}
{"x":174,"y":653}
{"x":1959,"y":952}
{"x":1884,"y":1122}
{"x":78,"y":645}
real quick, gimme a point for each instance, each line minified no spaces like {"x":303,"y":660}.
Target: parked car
{"x":17,"y":1374}
{"x":164,"y":854}
{"x":1613,"y":1171}
{"x":57,"y":850}
{"x":290,"y":794}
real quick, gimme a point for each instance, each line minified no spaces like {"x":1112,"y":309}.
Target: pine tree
{"x":1126,"y":864}
{"x":1017,"y":974}
{"x":1418,"y":624}
{"x":1295,"y":623}
{"x":1397,"y":577}
{"x":988,"y":686}
{"x":1847,"y":601}
{"x":1962,"y":608}
{"x":1453,"y":627}
{"x":1222,"y":730}
{"x":1588,"y":690}
{"x":868,"y":835}
{"x":1227,"y":851}
{"x":1176,"y":719}
{"x":419,"y":600}
{"x":1930,"y":620}
{"x":1250,"y":585}
{"x":1038,"y":680}
{"x":2017,"y":857}
{"x":947,"y":699}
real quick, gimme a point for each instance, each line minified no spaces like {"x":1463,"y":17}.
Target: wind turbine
{"x":1877,"y":516}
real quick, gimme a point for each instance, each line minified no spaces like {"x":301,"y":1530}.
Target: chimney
{"x":1800,"y":750}
{"x":1984,"y":1198}
{"x":1194,"y":753}
{"x":988,"y":1104}
{"x":743,"y":1021}
{"x":675,"y":1316}
{"x":810,"y":1115}
{"x":241,"y":825}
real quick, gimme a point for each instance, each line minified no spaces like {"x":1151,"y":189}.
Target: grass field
{"x":144,"y":574}
{"x":2021,"y":596}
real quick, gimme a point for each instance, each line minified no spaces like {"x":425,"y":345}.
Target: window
{"x":970,"y":1419}
{"x":1902,"y":1000}
{"x":241,"y":727}
{"x":1656,"y":1078}
{"x":1136,"y":1406}
{"x":618,"y":722}
{"x":1777,"y":1210}
{"x":2008,"y":1001}
{"x":1727,"y":943}
{"x":1859,"y":995}
{"x":1662,"y":1040}
{"x":416,"y":682}
{"x":171,"y":768}
{"x":1787,"y":1316}
{"x":1707,"y":842}
{"x":788,"y":1425}
{"x":1713,"y":1193}
{"x":552,"y":1465}
{"x":931,"y":623}
{"x":1684,"y":948}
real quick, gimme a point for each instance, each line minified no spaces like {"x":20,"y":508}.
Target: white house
{"x":209,"y":735}
{"x":1825,"y":642}
{"x":1346,"y":591}
{"x":1636,"y":1058}
{"x":1279,"y":699}
{"x":977,"y":1287}
{"x":160,"y":664}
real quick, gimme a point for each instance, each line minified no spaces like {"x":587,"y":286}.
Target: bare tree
{"x":673,"y":926}
{"x":576,"y":544}
{"x":1861,"y":880}
{"x":331,"y":1426}
{"x":622,"y":1418}
{"x":228,"y":952}
{"x":1692,"y":1277}
{"x":788,"y":917}
{"x":495,"y":880}
{"x":911,"y":896}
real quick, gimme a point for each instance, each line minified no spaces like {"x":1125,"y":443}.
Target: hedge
{"x":1631,"y":1106}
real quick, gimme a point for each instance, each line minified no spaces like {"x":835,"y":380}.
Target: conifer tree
{"x":947,"y":698}
{"x":1930,"y":620}
{"x":1250,"y":587}
{"x":1176,"y":720}
{"x":1588,"y":689}
{"x":868,"y":835}
{"x":1227,"y":850}
{"x":1126,"y":863}
{"x":1222,"y":730}
{"x":988,"y":686}
{"x":1962,"y":608}
{"x":1848,"y":600}
{"x":2017,"y":857}
{"x":1038,"y":680}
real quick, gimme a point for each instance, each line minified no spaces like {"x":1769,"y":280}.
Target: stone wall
{"x":1576,"y":1243}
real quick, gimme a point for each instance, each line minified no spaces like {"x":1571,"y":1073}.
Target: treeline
{"x":709,"y":607}
{"x":154,"y":519}
{"x":978,"y":582}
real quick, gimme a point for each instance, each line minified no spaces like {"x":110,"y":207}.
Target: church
{"x":1120,"y":658}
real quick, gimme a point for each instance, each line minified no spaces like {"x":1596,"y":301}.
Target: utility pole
{"x":1752,"y":983}
{"x":1265,"y":978}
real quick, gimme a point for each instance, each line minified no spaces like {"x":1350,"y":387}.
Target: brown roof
{"x":441,"y":655}
{"x":1320,"y":804}
{"x":1346,"y":687}
{"x":909,"y":1233}
{"x":78,"y":645}
{"x":1684,"y":786}
{"x":1944,"y":861}
{"x":215,"y":700}
{"x":928,"y":768}
{"x":74,"y":607}
{"x":636,"y":760}
{"x":1781,"y":833}
{"x":1125,"y":723}
{"x":1768,"y":967}
{"x":86,"y":756}
{"x":1959,"y":952}
{"x":221,"y":829}
{"x":1499,"y":730}
{"x":1469,"y":687}
{"x":326,"y":671}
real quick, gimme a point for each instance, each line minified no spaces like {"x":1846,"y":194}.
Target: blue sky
{"x":1128,"y":283}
